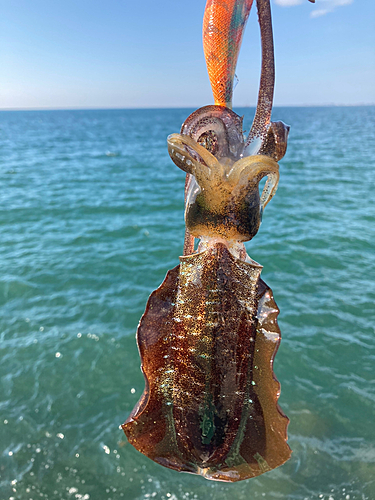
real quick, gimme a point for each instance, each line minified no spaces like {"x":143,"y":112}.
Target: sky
{"x":126,"y":54}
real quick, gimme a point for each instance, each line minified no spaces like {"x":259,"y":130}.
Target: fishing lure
{"x":209,"y":334}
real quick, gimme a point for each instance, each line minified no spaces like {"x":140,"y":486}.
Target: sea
{"x":91,"y":219}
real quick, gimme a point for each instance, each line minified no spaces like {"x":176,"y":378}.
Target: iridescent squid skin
{"x":209,"y":334}
{"x":207,"y":342}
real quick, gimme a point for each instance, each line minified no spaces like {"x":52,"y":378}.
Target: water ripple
{"x":91,"y":218}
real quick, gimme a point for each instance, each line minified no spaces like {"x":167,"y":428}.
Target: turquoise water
{"x":91,"y":218}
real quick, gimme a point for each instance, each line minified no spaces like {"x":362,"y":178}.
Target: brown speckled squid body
{"x":209,"y":334}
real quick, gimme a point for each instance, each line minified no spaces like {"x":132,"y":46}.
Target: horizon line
{"x":105,"y":108}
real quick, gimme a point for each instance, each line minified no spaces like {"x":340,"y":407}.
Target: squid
{"x":209,"y":334}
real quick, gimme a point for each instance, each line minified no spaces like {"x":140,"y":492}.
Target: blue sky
{"x":121,"y":53}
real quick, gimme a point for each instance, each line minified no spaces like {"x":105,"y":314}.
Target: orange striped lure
{"x":209,"y":334}
{"x":224,"y":22}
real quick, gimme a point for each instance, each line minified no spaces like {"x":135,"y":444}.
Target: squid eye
{"x":218,"y":129}
{"x":209,"y":141}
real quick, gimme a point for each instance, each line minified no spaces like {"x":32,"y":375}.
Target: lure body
{"x":224,"y":22}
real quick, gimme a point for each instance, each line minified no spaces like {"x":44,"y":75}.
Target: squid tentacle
{"x":263,"y":111}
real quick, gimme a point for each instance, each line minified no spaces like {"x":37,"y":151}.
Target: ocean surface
{"x":91,"y":219}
